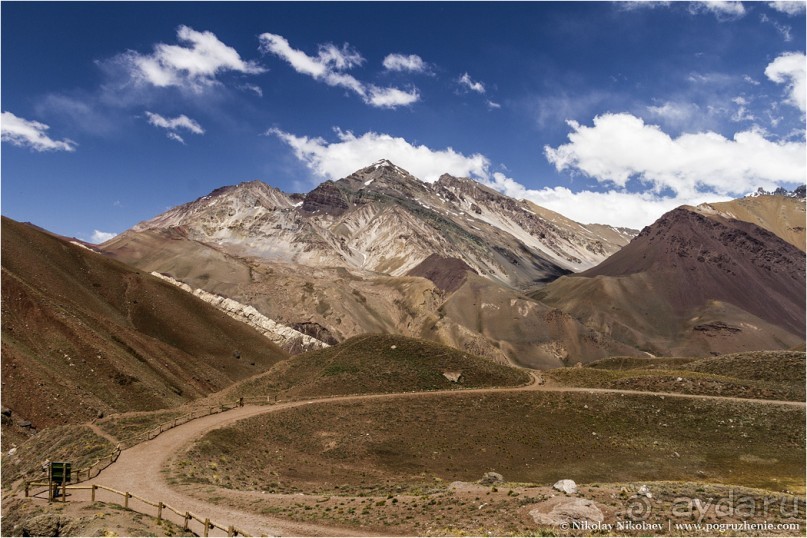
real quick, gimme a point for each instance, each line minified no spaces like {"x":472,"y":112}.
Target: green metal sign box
{"x":60,"y":472}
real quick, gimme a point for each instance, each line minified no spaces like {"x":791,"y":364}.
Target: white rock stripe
{"x":282,"y":335}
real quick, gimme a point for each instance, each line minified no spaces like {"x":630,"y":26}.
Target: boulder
{"x":454,"y":377}
{"x":644,"y":491}
{"x":566,"y":511}
{"x":566,"y":486}
{"x":491,"y":478}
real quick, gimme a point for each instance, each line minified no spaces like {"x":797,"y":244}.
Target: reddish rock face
{"x":448,"y":274}
{"x":692,"y":258}
{"x":326,"y":198}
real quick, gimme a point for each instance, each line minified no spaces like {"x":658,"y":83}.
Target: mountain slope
{"x":693,"y":283}
{"x":781,"y":215}
{"x":383,"y":219}
{"x":84,"y":334}
{"x":435,"y":301}
{"x":375,"y":363}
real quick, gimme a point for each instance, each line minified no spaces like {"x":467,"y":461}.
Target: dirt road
{"x":140,"y":468}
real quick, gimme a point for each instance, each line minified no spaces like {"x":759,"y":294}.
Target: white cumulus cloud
{"x":194,"y":64}
{"x":180,"y":122}
{"x":791,"y":8}
{"x":174,"y":136}
{"x":31,"y":134}
{"x":722,"y":9}
{"x":339,"y":158}
{"x":675,"y":113}
{"x":466,"y":81}
{"x":172,"y":125}
{"x":254,"y":88}
{"x":791,"y":69}
{"x":614,"y":207}
{"x":400,"y":62}
{"x":99,"y":237}
{"x":391,"y":97}
{"x":689,"y":169}
{"x":329,"y":66}
{"x":619,"y":147}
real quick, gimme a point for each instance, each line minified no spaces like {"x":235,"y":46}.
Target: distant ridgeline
{"x":798,"y":192}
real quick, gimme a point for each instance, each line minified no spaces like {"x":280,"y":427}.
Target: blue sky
{"x":606,"y":112}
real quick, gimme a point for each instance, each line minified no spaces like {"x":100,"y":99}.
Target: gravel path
{"x":139,"y":469}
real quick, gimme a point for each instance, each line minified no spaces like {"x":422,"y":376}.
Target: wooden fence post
{"x":185,"y":524}
{"x":207,"y":526}
{"x":159,"y":511}
{"x":27,"y":485}
{"x":126,"y":500}
{"x":230,"y":531}
{"x":92,"y":494}
{"x":64,"y":489}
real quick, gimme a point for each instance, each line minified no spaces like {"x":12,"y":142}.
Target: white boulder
{"x":566,"y":486}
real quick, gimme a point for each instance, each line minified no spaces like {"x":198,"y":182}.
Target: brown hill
{"x":690,"y":284}
{"x":782,"y":215}
{"x":376,"y":363}
{"x":451,"y":304}
{"x":84,"y":334}
{"x":448,"y":274}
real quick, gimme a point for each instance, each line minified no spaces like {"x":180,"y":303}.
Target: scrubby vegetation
{"x":130,"y":428}
{"x":79,"y":445}
{"x":772,"y":375}
{"x":377,"y":364}
{"x":409,"y":444}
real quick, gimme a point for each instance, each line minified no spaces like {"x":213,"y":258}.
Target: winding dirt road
{"x":139,"y":469}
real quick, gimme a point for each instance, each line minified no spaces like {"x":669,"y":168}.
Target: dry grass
{"x":26,"y":517}
{"x":376,"y":364}
{"x":774,"y":375}
{"x":130,"y":428}
{"x":645,"y":363}
{"x":466,"y":509}
{"x":774,"y":366}
{"x":413,"y":444}
{"x":78,"y":445}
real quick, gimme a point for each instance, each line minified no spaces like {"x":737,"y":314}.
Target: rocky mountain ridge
{"x":693,"y":281}
{"x":782,"y":213}
{"x":458,"y":263}
{"x":383,"y":219}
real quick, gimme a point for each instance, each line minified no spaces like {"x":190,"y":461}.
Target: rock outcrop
{"x":292,"y":341}
{"x":567,"y":511}
{"x":566,"y":486}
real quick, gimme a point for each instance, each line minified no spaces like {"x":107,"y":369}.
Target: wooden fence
{"x":148,"y":435}
{"x":162,"y":509}
{"x":91,"y":471}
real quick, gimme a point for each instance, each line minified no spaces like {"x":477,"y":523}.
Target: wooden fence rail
{"x":90,"y":472}
{"x":188,"y":517}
